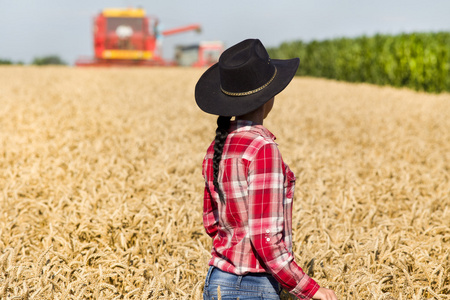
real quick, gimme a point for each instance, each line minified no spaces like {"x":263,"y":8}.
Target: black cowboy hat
{"x":244,"y":79}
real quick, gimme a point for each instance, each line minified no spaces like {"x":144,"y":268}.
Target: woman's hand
{"x":324,"y":294}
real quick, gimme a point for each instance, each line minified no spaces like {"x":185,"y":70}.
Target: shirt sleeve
{"x":266,"y":222}
{"x":210,"y":213}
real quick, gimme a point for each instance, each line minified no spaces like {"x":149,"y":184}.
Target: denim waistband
{"x":262,"y":282}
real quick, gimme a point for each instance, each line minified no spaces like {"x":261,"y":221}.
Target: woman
{"x":248,"y":188}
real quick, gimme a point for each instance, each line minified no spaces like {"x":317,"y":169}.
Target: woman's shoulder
{"x":210,"y":150}
{"x":251,"y":143}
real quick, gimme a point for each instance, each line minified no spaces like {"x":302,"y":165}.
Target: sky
{"x":36,"y":28}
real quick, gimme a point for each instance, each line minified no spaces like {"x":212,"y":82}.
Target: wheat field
{"x":101,"y":187}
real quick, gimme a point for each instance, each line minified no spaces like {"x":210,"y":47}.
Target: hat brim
{"x":211,"y":99}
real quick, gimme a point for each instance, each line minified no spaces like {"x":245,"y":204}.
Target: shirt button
{"x":268,"y":239}
{"x":267,"y":231}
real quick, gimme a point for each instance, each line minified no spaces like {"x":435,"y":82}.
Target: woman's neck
{"x":256,"y":116}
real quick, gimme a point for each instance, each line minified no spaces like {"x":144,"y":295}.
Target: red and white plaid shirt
{"x":252,"y":231}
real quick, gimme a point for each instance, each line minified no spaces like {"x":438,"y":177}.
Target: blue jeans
{"x":245,"y":287}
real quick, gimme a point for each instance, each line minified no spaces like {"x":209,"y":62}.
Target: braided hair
{"x":223,"y":123}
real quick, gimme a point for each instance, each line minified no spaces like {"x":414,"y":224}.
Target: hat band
{"x":252,"y":91}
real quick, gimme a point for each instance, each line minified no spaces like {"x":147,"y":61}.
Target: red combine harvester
{"x":127,"y":37}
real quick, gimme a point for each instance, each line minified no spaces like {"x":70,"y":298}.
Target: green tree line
{"x":37,"y":61}
{"x":420,"y":61}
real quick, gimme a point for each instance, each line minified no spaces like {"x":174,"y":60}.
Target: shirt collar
{"x":245,"y":125}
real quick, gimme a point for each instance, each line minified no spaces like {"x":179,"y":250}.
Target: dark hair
{"x":223,"y":123}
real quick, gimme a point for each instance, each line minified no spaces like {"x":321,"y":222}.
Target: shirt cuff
{"x":306,"y":288}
